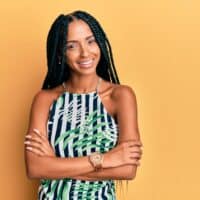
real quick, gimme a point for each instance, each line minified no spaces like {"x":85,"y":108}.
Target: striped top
{"x":79,"y":124}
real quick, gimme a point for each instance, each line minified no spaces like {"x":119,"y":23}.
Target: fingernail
{"x":36,"y":130}
{"x":30,"y":148}
{"x":28,"y":136}
{"x":27,"y":142}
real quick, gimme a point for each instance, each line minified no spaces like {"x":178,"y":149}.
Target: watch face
{"x":96,"y":158}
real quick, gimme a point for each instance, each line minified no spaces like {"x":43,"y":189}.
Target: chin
{"x":85,"y":72}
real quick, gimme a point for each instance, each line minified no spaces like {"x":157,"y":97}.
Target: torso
{"x":77,"y":125}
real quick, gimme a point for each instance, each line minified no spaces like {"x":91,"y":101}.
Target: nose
{"x":84,"y":51}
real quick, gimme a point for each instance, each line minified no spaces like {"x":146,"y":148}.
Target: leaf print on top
{"x":77,"y":126}
{"x":86,"y":129}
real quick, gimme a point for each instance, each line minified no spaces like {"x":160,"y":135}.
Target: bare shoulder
{"x":123,"y":94}
{"x":118,"y":90}
{"x":46,"y":96}
{"x":41,"y":95}
{"x":40,"y":108}
{"x":117,"y":97}
{"x":124,"y":100}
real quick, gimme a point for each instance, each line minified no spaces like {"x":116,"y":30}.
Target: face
{"x":82,"y":50}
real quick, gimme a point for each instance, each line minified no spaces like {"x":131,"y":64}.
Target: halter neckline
{"x":83,"y":93}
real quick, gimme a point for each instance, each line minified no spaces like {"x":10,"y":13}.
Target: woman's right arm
{"x":51,"y":167}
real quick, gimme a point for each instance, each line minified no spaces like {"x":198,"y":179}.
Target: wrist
{"x":106,"y":161}
{"x":96,"y":160}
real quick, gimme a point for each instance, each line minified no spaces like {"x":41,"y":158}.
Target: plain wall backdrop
{"x":156,"y":46}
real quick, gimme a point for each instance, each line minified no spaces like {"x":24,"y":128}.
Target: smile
{"x":85,"y":63}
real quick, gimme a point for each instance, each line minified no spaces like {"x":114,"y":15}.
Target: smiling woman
{"x":83,"y":132}
{"x":83,"y":52}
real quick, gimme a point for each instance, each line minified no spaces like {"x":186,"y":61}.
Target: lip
{"x":86,"y":63}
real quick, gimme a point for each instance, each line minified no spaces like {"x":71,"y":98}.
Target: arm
{"x":116,"y":173}
{"x":126,"y":105}
{"x":49,"y":167}
{"x":53,"y":167}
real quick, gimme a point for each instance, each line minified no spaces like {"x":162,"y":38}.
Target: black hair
{"x":58,"y":69}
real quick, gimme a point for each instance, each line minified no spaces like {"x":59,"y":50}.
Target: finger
{"x":135,"y":143}
{"x":32,"y":139}
{"x":136,"y":153}
{"x":38,"y":134}
{"x":40,"y":146}
{"x":35,"y":145}
{"x":43,"y":143}
{"x":35,"y":151}
{"x":134,"y":161}
{"x":36,"y":131}
{"x":135,"y":149}
{"x":35,"y":136}
{"x":135,"y":156}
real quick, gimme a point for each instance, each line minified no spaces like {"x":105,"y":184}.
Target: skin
{"x":119,"y":100}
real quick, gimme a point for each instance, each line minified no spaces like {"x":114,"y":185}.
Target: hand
{"x":38,"y":144}
{"x":125,"y":153}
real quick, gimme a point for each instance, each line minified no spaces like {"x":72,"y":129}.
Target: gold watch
{"x":96,"y":159}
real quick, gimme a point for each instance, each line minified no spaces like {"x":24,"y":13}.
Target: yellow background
{"x":156,"y":46}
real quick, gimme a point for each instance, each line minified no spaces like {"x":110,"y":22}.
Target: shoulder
{"x":42,"y":95}
{"x":124,"y":99}
{"x":118,"y":97}
{"x":119,"y":91}
{"x":41,"y":103}
{"x":46,"y":96}
{"x":123,"y":93}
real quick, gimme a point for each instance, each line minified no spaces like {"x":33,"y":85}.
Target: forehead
{"x":78,"y":29}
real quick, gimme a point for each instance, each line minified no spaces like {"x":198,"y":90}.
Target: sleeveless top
{"x":79,"y":124}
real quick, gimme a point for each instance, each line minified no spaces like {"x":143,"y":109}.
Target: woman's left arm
{"x":126,"y":112}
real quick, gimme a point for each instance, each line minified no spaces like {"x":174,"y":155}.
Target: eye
{"x":71,"y":46}
{"x":91,"y":41}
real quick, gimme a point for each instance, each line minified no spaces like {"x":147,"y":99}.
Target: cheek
{"x":70,"y":57}
{"x":97,"y":51}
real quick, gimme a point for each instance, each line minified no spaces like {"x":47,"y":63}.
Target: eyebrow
{"x":88,"y":37}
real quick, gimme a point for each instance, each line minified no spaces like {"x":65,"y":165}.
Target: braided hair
{"x":58,"y":69}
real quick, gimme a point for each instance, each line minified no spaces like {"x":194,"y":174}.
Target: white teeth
{"x":86,"y":63}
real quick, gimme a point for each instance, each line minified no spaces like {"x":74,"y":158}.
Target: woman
{"x":83,"y":131}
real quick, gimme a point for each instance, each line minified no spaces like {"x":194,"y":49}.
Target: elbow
{"x":130,"y":173}
{"x":130,"y":176}
{"x":31,"y":174}
{"x":33,"y":167}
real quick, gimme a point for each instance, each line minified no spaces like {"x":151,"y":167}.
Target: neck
{"x":82,"y":84}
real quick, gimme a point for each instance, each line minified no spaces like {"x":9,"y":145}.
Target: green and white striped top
{"x":79,"y":124}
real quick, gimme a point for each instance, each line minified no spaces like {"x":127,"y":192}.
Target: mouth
{"x":86,"y":63}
